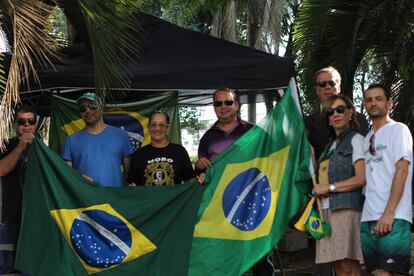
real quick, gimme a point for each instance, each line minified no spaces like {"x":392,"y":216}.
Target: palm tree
{"x":254,"y":23}
{"x":344,"y":33}
{"x":108,"y":28}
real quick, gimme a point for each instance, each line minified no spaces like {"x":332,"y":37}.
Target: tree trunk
{"x":224,"y":22}
{"x":252,"y":108}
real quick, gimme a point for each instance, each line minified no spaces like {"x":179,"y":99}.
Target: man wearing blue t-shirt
{"x":100,"y":152}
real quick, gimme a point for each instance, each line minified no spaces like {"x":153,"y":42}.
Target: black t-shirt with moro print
{"x":153,"y":166}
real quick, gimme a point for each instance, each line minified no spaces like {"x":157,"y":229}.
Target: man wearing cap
{"x":12,"y":168}
{"x":99,"y":152}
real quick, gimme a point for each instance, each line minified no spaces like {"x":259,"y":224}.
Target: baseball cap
{"x":88,"y":96}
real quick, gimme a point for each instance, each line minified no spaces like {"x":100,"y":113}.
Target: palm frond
{"x":113,"y":31}
{"x":181,"y":12}
{"x":3,"y":77}
{"x":307,"y":37}
{"x":31,"y":43}
{"x":341,"y":33}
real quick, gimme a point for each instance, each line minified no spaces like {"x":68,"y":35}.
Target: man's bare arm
{"x":384,"y":224}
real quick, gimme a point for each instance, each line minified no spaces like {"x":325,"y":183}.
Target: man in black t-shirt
{"x":12,"y":167}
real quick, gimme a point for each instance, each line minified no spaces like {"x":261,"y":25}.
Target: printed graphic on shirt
{"x":159,"y":172}
{"x":377,"y":158}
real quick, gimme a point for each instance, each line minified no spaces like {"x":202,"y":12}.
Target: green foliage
{"x":59,"y":27}
{"x":113,"y":37}
{"x":191,"y":120}
{"x":181,"y":13}
{"x":110,"y":31}
{"x":344,"y":33}
{"x":190,"y":117}
{"x":27,"y":24}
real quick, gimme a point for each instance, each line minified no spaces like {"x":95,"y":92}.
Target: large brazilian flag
{"x":73,"y":227}
{"x":253,"y":190}
{"x":132,"y":117}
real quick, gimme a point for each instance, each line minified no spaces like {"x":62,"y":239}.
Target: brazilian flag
{"x":71,"y":226}
{"x":315,"y":226}
{"x":74,"y":227}
{"x":132,"y":117}
{"x":254,"y":188}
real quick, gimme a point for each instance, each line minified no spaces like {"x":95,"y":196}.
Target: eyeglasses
{"x":372,"y":145}
{"x":220,"y":103}
{"x":339,"y":109}
{"x":91,"y":106}
{"x":324,"y":83}
{"x":160,"y":125}
{"x":23,"y":121}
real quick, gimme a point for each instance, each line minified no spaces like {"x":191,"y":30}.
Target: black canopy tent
{"x":172,"y":59}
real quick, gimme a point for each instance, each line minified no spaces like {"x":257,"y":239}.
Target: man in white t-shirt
{"x":387,"y":213}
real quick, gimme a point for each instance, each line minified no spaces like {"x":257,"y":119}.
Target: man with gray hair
{"x":328,"y":83}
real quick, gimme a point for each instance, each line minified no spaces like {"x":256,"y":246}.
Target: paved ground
{"x":299,"y":263}
{"x":296,"y":263}
{"x":302,"y":262}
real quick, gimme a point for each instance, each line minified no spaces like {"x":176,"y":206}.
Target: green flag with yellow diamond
{"x":254,"y":188}
{"x":315,"y":226}
{"x":75,"y":227}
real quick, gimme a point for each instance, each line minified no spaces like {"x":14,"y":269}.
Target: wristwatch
{"x":332,"y":187}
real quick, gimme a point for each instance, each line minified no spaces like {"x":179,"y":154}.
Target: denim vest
{"x":341,"y":168}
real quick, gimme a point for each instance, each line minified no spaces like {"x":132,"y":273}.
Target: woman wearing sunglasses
{"x":161,"y":162}
{"x":341,"y":177}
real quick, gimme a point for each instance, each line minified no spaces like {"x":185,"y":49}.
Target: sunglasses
{"x":91,"y":106}
{"x":160,"y":125}
{"x":372,"y":145}
{"x":324,"y":83}
{"x":339,"y":109}
{"x":220,"y":103}
{"x":23,"y":121}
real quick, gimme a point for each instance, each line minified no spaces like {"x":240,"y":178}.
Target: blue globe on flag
{"x":246,"y":199}
{"x":100,"y":239}
{"x":130,"y":124}
{"x":315,"y":224}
